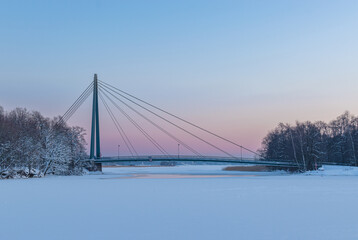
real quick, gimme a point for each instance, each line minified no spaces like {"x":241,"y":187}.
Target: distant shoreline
{"x":248,"y":168}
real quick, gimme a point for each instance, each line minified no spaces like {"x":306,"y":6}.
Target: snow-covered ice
{"x":327,"y":170}
{"x":130,"y":203}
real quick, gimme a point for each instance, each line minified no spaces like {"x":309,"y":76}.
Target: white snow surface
{"x":327,"y":170}
{"x":240,"y":205}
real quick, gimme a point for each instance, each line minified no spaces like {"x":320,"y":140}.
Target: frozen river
{"x":183,"y":202}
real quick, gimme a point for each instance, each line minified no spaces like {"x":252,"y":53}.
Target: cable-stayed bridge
{"x":114,"y":98}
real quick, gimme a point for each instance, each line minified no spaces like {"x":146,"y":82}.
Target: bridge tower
{"x":95,"y":151}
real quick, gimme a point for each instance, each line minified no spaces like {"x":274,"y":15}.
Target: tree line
{"x":34,"y":146}
{"x":310,"y":144}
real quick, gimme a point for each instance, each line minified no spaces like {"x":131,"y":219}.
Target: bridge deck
{"x":183,"y":158}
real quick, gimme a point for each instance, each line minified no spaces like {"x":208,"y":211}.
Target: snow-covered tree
{"x":309,"y":144}
{"x":31,"y":145}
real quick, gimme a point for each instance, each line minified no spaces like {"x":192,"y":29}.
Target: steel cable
{"x":123,"y":135}
{"x":181,"y":119}
{"x":152,"y":140}
{"x":192,"y":134}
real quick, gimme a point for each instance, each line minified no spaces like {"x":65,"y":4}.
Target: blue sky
{"x":235,"y":67}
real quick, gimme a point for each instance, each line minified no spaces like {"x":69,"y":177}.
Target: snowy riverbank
{"x":328,"y":170}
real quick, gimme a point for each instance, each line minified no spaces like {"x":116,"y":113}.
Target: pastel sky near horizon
{"x":237,"y":68}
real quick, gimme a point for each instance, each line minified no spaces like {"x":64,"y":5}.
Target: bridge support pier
{"x":98,"y":167}
{"x":93,"y":166}
{"x":95,"y":150}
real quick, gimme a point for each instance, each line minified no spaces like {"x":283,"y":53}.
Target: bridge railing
{"x":146,"y":158}
{"x":176,"y":157}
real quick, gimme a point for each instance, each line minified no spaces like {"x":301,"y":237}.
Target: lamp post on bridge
{"x":118,"y":150}
{"x":178,"y":150}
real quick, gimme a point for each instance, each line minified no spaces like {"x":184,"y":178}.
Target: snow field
{"x":111,"y":206}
